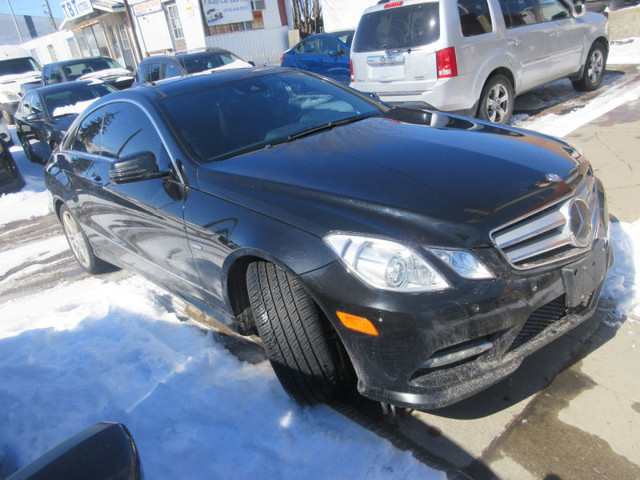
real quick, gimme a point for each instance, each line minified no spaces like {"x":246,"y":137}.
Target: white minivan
{"x":474,"y":56}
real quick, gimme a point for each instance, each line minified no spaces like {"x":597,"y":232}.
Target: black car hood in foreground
{"x":455,"y":183}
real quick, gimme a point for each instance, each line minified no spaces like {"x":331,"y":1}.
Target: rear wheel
{"x":593,"y":70}
{"x":496,"y":101}
{"x":26,"y":146}
{"x":298,"y":342}
{"x":79,"y":243}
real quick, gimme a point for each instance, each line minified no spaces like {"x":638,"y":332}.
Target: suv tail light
{"x":446,"y":62}
{"x":353,"y":78}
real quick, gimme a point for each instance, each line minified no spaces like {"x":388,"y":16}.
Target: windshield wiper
{"x":330,"y":125}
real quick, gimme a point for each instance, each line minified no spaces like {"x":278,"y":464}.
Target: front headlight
{"x":386,"y":265}
{"x":463,"y":263}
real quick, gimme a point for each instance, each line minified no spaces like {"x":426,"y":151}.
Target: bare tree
{"x":307,"y":16}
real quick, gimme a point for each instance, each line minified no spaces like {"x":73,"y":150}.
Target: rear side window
{"x":475,"y":18}
{"x":518,"y":12}
{"x":398,"y":28}
{"x":153,"y":72}
{"x":87,"y":138}
{"x":308,"y":47}
{"x":170,"y":71}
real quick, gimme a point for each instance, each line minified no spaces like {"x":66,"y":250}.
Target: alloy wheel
{"x":497,"y":105}
{"x":596,"y":66}
{"x":76,"y":239}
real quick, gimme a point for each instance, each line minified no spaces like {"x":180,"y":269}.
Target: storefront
{"x":101,"y":27}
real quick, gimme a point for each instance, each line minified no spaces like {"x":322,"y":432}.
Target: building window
{"x":174,"y":21}
{"x":258,"y":5}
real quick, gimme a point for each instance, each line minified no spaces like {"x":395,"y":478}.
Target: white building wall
{"x":154,"y":32}
{"x":59,"y":43}
{"x":343,"y":15}
{"x":191,"y":20}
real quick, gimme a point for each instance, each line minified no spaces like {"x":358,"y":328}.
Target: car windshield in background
{"x":252,"y":113}
{"x":206,"y":61}
{"x":398,"y":28}
{"x":76,"y":70}
{"x":345,"y":37}
{"x":73,"y":100}
{"x":16,"y":66}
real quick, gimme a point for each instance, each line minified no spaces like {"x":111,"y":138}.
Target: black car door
{"x":140,"y":222}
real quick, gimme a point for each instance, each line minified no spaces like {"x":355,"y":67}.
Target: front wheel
{"x":26,"y":146}
{"x":593,"y":70}
{"x":296,"y":338}
{"x":496,"y":100}
{"x":79,"y":243}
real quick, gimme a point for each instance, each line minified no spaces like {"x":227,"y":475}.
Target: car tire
{"x":295,"y":336}
{"x":594,"y":69}
{"x":26,"y":147}
{"x":496,"y":100}
{"x":79,"y":243}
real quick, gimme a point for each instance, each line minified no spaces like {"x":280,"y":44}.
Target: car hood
{"x":448,"y":184}
{"x":13,"y":82}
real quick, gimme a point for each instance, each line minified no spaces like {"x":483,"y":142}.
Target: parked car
{"x":45,"y":114}
{"x":475,"y":56}
{"x":425,"y":254}
{"x":10,"y":178}
{"x":326,"y":54}
{"x":17,"y":68}
{"x":5,"y":134}
{"x":95,"y":68}
{"x":158,"y":67}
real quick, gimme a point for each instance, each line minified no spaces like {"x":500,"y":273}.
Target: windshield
{"x":73,"y":100}
{"x":398,"y":28}
{"x":199,"y":62}
{"x":16,"y":66}
{"x":76,"y":70}
{"x":252,"y":113}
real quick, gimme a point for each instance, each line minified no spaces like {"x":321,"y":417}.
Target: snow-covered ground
{"x":94,"y":350}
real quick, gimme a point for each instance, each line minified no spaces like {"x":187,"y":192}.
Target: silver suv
{"x":475,"y":56}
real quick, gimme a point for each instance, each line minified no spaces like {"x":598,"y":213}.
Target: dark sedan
{"x":104,"y":69}
{"x":325,"y":53}
{"x":10,"y":178}
{"x":45,"y":114}
{"x":423,"y":254}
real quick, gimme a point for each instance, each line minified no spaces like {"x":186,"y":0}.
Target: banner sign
{"x":144,"y":8}
{"x":76,"y":8}
{"x":220,"y":12}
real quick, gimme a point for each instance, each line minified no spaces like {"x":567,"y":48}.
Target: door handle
{"x":555,"y":33}
{"x":513,"y":42}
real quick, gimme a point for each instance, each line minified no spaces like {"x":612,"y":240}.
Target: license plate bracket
{"x":582,"y":278}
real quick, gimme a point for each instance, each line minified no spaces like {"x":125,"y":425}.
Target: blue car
{"x":325,"y":53}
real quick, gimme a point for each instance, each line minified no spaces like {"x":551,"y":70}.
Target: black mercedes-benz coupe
{"x":423,"y":254}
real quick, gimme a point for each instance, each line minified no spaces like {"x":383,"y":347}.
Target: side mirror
{"x":32,"y":117}
{"x":334,"y":53}
{"x":579,"y":9}
{"x":252,"y":63}
{"x":135,"y":168}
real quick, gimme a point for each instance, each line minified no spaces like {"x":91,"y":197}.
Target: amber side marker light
{"x":359,"y":324}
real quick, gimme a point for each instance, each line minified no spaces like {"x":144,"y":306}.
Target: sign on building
{"x":219,"y":12}
{"x":76,"y":8}
{"x":145,"y":8}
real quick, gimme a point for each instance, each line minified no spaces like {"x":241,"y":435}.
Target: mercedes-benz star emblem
{"x":580,"y":223}
{"x":553,"y":177}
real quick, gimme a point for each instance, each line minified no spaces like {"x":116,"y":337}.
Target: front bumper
{"x":432,"y":348}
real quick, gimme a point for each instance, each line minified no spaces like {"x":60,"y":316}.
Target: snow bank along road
{"x":76,"y":349}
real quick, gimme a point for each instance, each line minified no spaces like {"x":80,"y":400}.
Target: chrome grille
{"x":558,"y":231}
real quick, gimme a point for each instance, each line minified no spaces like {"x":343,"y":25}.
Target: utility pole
{"x":14,"y":21}
{"x":53,"y":20}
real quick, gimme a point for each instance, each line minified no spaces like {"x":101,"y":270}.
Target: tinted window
{"x":327,"y":45}
{"x":170,"y":70}
{"x":25,"y":107}
{"x":475,"y":18}
{"x":398,"y":27}
{"x":153,"y":72}
{"x":518,"y":12}
{"x":56,"y":75}
{"x":553,"y":10}
{"x":308,"y":47}
{"x":219,"y":122}
{"x":36,"y":104}
{"x":18,"y":65}
{"x":200,"y":62}
{"x":87,"y":137}
{"x":127,"y":130}
{"x":73,"y":99}
{"x":75,"y":70}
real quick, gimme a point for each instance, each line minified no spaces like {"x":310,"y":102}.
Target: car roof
{"x":74,"y":61}
{"x":63,"y":86}
{"x":182,"y":54}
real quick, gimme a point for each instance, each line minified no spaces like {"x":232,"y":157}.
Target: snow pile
{"x":102,"y":350}
{"x":622,"y":286}
{"x":23,"y":205}
{"x":624,"y":52}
